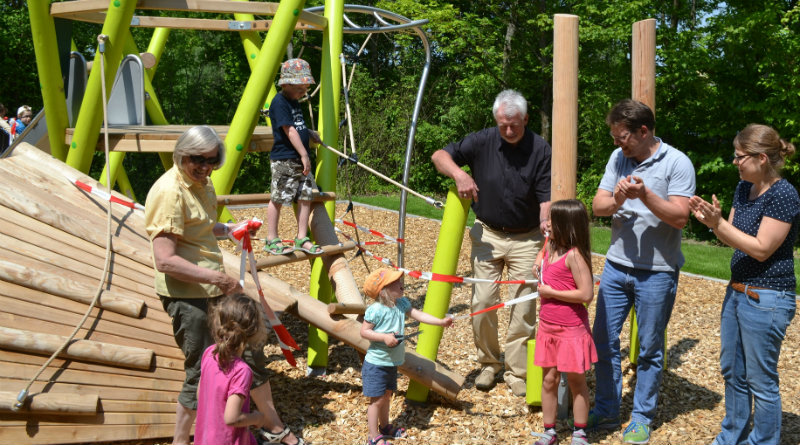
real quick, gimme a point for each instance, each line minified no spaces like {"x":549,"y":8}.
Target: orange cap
{"x":379,"y":279}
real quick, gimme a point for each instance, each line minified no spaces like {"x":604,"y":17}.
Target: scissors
{"x":402,"y":337}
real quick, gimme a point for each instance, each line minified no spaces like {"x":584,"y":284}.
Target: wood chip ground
{"x":331,"y":409}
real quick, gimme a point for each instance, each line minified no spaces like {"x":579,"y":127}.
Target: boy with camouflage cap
{"x":291,"y":168}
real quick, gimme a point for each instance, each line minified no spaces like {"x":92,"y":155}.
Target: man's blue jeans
{"x":652,"y":294}
{"x":751,"y":334}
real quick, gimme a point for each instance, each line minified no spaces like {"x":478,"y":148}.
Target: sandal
{"x":276,"y":247}
{"x":379,"y":440}
{"x":265,"y":436}
{"x":390,"y":431}
{"x":313,"y":250}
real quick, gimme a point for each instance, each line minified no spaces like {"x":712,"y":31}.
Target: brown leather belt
{"x":745,"y":289}
{"x":508,"y":229}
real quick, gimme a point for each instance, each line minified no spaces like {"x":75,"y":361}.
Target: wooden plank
{"x":162,"y":138}
{"x":53,"y":280}
{"x":154,"y":373}
{"x":264,"y":198}
{"x":156,"y":327}
{"x":67,"y":375}
{"x":61,"y":434}
{"x":70,"y":245}
{"x":80,"y":349}
{"x":109,"y":393}
{"x":50,"y":404}
{"x":17,"y":315}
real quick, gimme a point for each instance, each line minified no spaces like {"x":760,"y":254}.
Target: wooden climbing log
{"x":344,"y":308}
{"x":299,"y":255}
{"x":51,"y":404}
{"x":85,"y":350}
{"x":264,"y":198}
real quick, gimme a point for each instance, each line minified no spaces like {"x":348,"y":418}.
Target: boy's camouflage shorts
{"x":288,"y":182}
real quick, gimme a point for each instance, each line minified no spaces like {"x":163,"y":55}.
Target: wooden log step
{"x":155,"y":321}
{"x":346,"y":308}
{"x":264,"y":198}
{"x":50,"y":403}
{"x":80,"y":349}
{"x":109,"y":393}
{"x":100,"y":333}
{"x":40,"y":276}
{"x":299,"y":255}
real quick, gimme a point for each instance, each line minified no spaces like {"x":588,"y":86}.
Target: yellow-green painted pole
{"x":251,"y":42}
{"x":437,"y":299}
{"x":330,"y":79}
{"x":633,"y":355}
{"x":90,"y":118}
{"x":156,"y":47}
{"x":255,"y":93}
{"x":533,"y":381}
{"x":45,"y":46}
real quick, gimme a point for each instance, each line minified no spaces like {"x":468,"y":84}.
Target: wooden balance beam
{"x":264,"y":198}
{"x":299,"y":255}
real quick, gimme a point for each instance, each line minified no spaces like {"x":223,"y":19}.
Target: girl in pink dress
{"x":564,"y":340}
{"x":223,"y":408}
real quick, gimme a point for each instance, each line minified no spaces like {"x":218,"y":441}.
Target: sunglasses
{"x":203,"y":160}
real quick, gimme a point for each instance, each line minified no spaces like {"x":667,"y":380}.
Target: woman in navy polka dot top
{"x":760,"y":300}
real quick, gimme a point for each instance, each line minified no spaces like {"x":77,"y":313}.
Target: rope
{"x":23,"y":394}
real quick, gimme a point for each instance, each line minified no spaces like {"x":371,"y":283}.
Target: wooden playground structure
{"x":119,"y":378}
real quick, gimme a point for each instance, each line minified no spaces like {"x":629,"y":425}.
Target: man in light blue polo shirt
{"x":646,"y":190}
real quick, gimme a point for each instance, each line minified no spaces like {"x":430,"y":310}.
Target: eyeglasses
{"x":621,"y":138}
{"x":203,"y":160}
{"x":738,"y":158}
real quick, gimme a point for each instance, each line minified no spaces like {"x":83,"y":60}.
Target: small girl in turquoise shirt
{"x":382,"y":320}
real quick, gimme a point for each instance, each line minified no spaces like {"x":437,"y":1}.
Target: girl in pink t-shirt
{"x":563,"y":340}
{"x":223,"y":408}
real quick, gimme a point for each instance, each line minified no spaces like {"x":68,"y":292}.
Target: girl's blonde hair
{"x":569,"y":222}
{"x":235,"y":322}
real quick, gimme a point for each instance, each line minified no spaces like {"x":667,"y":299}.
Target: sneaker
{"x":486,"y":379}
{"x":636,"y":432}
{"x":579,"y":438}
{"x":596,"y":422}
{"x":546,"y":438}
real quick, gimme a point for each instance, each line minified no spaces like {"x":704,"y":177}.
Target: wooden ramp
{"x":119,"y":380}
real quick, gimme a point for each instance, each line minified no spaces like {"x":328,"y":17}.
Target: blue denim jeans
{"x":652,"y":294}
{"x":751,"y":334}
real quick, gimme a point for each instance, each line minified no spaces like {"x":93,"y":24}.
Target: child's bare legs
{"x":303,"y":214}
{"x":184,"y":418}
{"x":273,"y":216}
{"x":580,"y":397}
{"x":378,"y":413}
{"x":262,"y":397}
{"x":550,"y":380}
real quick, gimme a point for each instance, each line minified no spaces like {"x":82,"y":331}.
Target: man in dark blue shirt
{"x":510,"y":189}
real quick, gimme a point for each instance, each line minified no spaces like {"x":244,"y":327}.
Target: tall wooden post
{"x":643,"y":63}
{"x":565,"y":107}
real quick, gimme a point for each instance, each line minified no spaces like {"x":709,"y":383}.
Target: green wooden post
{"x":437,"y":299}
{"x":251,"y":42}
{"x":533,"y":381}
{"x":45,"y":46}
{"x":330,"y":79}
{"x":87,"y":129}
{"x":633,"y":355}
{"x":156,"y":47}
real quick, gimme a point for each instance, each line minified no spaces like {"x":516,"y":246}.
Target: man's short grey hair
{"x":513,"y":103}
{"x":199,"y":140}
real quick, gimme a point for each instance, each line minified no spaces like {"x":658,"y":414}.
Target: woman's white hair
{"x":199,"y":140}
{"x":512,"y":102}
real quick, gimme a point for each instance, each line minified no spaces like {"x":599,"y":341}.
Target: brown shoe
{"x":486,"y":379}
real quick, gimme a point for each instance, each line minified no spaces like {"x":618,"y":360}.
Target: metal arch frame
{"x":406,"y":23}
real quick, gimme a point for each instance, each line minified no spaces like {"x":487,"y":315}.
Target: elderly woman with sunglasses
{"x":180,"y":218}
{"x":760,"y":300}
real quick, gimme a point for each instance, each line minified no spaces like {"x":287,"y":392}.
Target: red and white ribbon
{"x":371,"y":231}
{"x":104,"y":195}
{"x":240,"y":234}
{"x":498,"y":306}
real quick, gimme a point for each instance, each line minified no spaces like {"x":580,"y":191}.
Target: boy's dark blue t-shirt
{"x":283,"y":111}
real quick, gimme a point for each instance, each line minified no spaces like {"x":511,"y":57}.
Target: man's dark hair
{"x":631,"y":113}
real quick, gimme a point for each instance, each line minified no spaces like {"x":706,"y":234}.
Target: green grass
{"x":701,"y":258}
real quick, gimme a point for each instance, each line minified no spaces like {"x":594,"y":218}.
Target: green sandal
{"x":276,"y":247}
{"x":313,"y":250}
